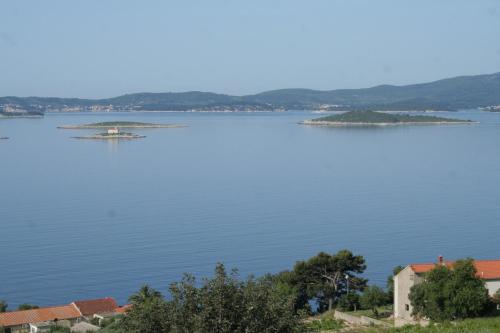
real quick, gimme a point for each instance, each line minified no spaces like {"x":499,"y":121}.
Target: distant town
{"x":465,"y":92}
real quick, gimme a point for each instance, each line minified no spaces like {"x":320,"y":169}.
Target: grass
{"x":323,"y":323}
{"x":384,"y":313}
{"x":478,"y":325}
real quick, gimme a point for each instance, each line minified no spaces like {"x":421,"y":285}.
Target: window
{"x":407,"y":307}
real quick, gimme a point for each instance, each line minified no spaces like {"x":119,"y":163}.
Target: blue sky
{"x":103,"y":48}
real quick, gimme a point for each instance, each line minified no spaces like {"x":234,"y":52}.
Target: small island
{"x":4,"y":137}
{"x":112,"y":133}
{"x":373,"y":118}
{"x":120,"y":124}
{"x":20,"y":114}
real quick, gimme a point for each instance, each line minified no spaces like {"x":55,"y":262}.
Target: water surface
{"x":83,"y":219}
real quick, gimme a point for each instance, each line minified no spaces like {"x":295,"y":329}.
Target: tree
{"x":390,"y":282}
{"x":222,"y":302}
{"x":349,"y":302}
{"x":185,"y":305}
{"x":496,"y":298}
{"x":148,"y":314}
{"x":269,"y":308}
{"x":3,"y":306}
{"x":450,"y":293}
{"x":325,"y":278}
{"x":372,"y":298}
{"x":26,"y":306}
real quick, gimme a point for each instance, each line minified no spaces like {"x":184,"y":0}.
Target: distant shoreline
{"x":382,"y":124}
{"x":126,"y":126}
{"x":110,"y":137}
{"x":120,"y":124}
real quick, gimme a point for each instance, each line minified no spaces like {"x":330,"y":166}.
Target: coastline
{"x":120,"y":126}
{"x":109,"y":137}
{"x":363,"y":124}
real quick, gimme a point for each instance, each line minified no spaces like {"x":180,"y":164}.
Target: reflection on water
{"x":86,"y":218}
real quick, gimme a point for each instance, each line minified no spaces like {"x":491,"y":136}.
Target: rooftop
{"x":93,"y":306}
{"x":486,"y":269}
{"x":52,"y":313}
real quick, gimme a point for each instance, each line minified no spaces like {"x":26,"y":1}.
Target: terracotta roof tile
{"x":16,"y":318}
{"x":123,"y":309}
{"x":486,"y":269}
{"x":93,"y":306}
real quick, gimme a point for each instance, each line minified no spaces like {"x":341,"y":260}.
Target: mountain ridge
{"x":461,"y":92}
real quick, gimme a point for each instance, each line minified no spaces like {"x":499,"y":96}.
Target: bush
{"x":324,"y":324}
{"x":450,"y":293}
{"x":372,"y":298}
{"x":349,"y":302}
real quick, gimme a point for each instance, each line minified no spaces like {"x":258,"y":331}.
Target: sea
{"x":83,"y":219}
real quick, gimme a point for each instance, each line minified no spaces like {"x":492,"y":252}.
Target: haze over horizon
{"x":102,"y":49}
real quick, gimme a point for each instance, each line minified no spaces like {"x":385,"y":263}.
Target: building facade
{"x":488,"y":270}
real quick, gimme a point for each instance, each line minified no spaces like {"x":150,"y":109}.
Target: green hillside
{"x":462,"y":92}
{"x":372,"y":117}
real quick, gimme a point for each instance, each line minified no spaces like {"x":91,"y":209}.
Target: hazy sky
{"x":103,"y":48}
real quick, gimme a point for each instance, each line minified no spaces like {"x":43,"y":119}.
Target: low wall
{"x":361,"y":320}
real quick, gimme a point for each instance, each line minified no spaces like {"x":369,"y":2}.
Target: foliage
{"x":222,"y":304}
{"x":324,"y":324}
{"x":26,"y":306}
{"x":349,"y":302}
{"x":372,"y":298}
{"x":3,"y":306}
{"x":149,"y":312}
{"x":380,"y":117}
{"x":450,"y":293}
{"x":449,"y":94}
{"x":478,"y":325}
{"x":496,"y":297}
{"x":324,"y":278}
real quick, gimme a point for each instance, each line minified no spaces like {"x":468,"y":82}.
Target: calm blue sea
{"x":82,"y":219}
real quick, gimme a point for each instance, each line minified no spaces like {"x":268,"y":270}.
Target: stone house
{"x":40,"y":320}
{"x":488,"y":270}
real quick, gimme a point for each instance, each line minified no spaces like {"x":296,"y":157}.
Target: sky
{"x":105,"y":48}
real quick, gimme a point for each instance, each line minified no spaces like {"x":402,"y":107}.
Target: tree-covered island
{"x":369,"y":118}
{"x":120,"y":124}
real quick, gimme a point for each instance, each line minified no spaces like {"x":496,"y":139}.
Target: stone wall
{"x":361,"y":320}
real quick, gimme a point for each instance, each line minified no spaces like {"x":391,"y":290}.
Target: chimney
{"x":440,"y":260}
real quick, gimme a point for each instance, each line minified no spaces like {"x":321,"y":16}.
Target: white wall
{"x":493,"y":286}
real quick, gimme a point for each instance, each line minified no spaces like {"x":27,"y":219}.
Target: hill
{"x":463,"y":92}
{"x":379,"y":118}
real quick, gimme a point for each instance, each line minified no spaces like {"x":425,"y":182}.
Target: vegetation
{"x":325,"y":322}
{"x":349,"y":302}
{"x":325,"y":278}
{"x":373,"y":117}
{"x":372,"y":298}
{"x":450,"y":293}
{"x":26,"y":306}
{"x":478,"y":325}
{"x":222,"y":304}
{"x":279,"y":303}
{"x":450,"y":94}
{"x":119,"y":124}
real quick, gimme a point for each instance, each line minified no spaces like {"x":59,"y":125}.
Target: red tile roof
{"x":486,"y":269}
{"x":93,"y":306}
{"x":123,"y":309}
{"x":16,"y":318}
